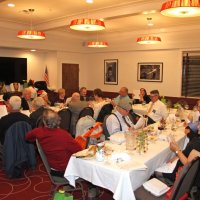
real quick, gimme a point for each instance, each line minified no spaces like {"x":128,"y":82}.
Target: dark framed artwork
{"x":150,"y":72}
{"x":111,"y":71}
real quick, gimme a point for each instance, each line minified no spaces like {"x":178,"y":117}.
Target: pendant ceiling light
{"x":97,"y":44}
{"x":149,"y":39}
{"x":87,"y":25}
{"x":31,"y":34}
{"x":181,"y":8}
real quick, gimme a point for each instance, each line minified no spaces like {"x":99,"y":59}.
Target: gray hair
{"x":15,"y":102}
{"x":38,"y":102}
{"x":51,"y":119}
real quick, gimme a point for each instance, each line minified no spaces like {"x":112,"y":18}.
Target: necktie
{"x":123,"y":117}
{"x":150,"y":108}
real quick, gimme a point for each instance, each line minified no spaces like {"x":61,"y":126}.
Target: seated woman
{"x":144,"y":98}
{"x":61,"y":98}
{"x":98,"y":103}
{"x":44,"y":95}
{"x":182,"y":156}
{"x":58,"y":145}
{"x":15,"y":87}
{"x":2,"y":88}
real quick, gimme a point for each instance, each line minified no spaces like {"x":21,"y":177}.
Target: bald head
{"x":75,"y":97}
{"x":123,"y":91}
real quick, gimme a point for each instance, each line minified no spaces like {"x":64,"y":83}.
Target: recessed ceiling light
{"x":89,"y":1}
{"x":33,"y":50}
{"x":145,"y":12}
{"x":11,"y":5}
{"x":153,"y":11}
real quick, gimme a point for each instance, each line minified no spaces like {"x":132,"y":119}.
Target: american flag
{"x":46,"y":76}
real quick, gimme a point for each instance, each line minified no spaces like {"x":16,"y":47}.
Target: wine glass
{"x":186,"y":106}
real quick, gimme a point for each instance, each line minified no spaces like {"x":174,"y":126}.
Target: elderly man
{"x":76,"y":105}
{"x":38,"y":108}
{"x":12,"y":117}
{"x":119,"y":121}
{"x":123,"y":94}
{"x":26,"y":99}
{"x":57,"y":143}
{"x":157,"y":110}
{"x":83,"y":94}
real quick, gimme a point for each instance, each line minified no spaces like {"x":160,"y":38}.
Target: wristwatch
{"x":177,"y":151}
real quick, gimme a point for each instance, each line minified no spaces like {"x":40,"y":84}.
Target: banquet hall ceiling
{"x":119,"y":15}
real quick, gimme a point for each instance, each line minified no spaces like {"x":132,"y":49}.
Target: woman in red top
{"x":57,"y":144}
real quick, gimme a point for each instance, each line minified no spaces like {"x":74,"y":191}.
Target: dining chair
{"x":58,"y":181}
{"x":105,"y":110}
{"x":65,"y":115}
{"x":181,"y":187}
{"x":86,"y":111}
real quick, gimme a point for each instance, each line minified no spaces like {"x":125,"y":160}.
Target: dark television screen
{"x":13,"y":69}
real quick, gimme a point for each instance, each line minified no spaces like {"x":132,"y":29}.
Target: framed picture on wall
{"x":150,"y":72}
{"x":111,"y":71}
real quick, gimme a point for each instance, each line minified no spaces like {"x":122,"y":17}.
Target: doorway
{"x":70,"y":78}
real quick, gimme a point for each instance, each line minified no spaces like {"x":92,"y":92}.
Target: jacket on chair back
{"x":18,"y":153}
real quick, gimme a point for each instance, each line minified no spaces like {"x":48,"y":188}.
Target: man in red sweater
{"x":57,"y":144}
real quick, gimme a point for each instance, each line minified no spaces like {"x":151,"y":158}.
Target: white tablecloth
{"x":140,"y":109}
{"x":124,"y":177}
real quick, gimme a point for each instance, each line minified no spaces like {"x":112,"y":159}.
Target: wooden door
{"x":70,"y":78}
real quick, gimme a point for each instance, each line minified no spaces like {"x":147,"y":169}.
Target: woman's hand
{"x":174,"y":146}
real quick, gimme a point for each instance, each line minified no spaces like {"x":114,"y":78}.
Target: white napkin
{"x":156,"y":187}
{"x":167,"y":167}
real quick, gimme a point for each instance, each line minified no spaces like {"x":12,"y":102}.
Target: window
{"x":191,"y":76}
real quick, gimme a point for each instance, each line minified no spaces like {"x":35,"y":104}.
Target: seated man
{"x":157,"y":110}
{"x":83,"y":94}
{"x":26,"y":99}
{"x":12,"y":117}
{"x":123,"y":94}
{"x":75,"y":106}
{"x":120,"y":121}
{"x":57,"y":143}
{"x":38,"y":108}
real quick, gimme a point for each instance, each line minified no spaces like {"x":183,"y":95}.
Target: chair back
{"x":105,"y":110}
{"x":39,"y":122}
{"x":185,"y":180}
{"x":65,"y":115}
{"x":44,"y":159}
{"x":86,"y":111}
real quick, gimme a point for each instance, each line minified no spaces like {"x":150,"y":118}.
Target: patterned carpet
{"x":35,"y":185}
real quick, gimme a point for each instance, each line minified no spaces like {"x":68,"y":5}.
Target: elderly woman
{"x":38,"y":108}
{"x":58,"y":145}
